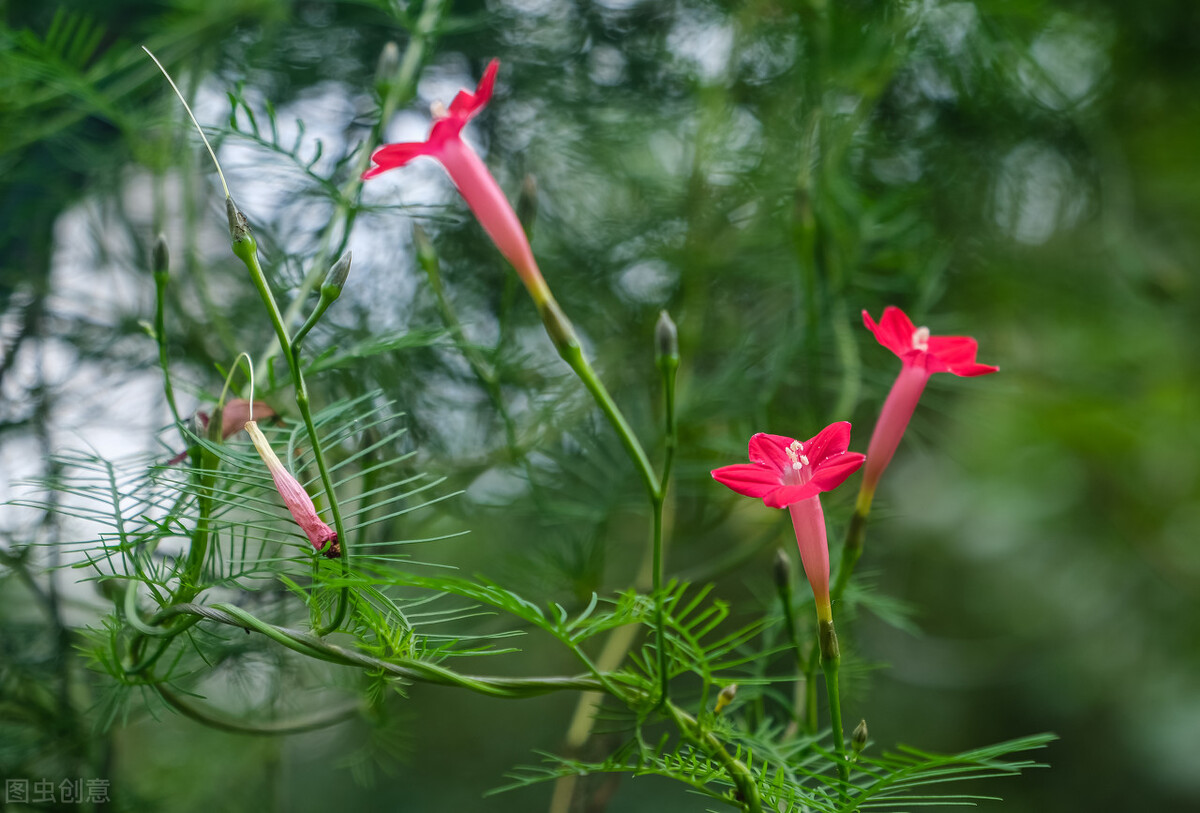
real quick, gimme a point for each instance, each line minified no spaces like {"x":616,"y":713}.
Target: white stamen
{"x":920,"y":339}
{"x":438,"y":111}
{"x":795,"y":453}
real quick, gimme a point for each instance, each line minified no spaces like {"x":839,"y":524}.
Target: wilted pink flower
{"x":471,"y":176}
{"x":786,"y":473}
{"x":295,"y":497}
{"x":922,"y":355}
{"x":233,"y":417}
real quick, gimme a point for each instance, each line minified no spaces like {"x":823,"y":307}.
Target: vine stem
{"x":852,"y":548}
{"x":246,"y":248}
{"x":272,"y":729}
{"x":831,"y":658}
{"x":408,"y":668}
{"x":617,"y":646}
{"x":738,"y":771}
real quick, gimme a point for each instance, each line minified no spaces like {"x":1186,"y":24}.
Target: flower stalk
{"x":246,"y":249}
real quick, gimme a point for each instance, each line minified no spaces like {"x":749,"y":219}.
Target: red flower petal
{"x":748,"y":479}
{"x":832,"y":440}
{"x":834,"y":470}
{"x":771,"y":450}
{"x":894,"y":330}
{"x":953,"y":349}
{"x":786,"y":495}
{"x":970,"y":370}
{"x":397,"y":155}
{"x":467,"y":104}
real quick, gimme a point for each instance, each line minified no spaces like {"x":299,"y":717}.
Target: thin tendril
{"x":191,"y":115}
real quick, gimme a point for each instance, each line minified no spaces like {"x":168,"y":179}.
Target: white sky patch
{"x":649,"y":282}
{"x":704,"y":45}
{"x":1066,"y":63}
{"x":1036,"y":194}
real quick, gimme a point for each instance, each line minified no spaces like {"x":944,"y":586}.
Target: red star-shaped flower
{"x":787,"y":473}
{"x":917,"y":348}
{"x":784,"y":470}
{"x":922,"y":355}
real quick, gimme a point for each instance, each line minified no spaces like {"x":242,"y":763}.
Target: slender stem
{"x":621,"y":639}
{"x":160,"y":335}
{"x":271,"y":729}
{"x":851,"y":550}
{"x":739,"y":774}
{"x":831,"y":658}
{"x":810,"y":689}
{"x":573,"y":355}
{"x":407,"y":668}
{"x":203,"y":472}
{"x":247,"y":250}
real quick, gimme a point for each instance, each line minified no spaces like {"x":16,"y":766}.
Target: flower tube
{"x":295,"y":497}
{"x":787,"y":473}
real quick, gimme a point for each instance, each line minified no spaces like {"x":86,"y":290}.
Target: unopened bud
{"x":726,"y":697}
{"x":858,"y":740}
{"x":335,"y":280}
{"x":666,"y":340}
{"x":527,"y":204}
{"x":160,"y":258}
{"x":783,"y":570}
{"x":389,"y":63}
{"x":239,"y":231}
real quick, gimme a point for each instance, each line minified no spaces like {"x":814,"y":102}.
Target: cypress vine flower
{"x":471,"y":176}
{"x":295,"y":497}
{"x":922,"y":355}
{"x":787,"y":473}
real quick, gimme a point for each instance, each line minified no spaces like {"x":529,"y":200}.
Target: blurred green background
{"x":1024,"y":172}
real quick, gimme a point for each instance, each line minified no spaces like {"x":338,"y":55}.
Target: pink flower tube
{"x":471,"y":176}
{"x":295,"y":497}
{"x":787,"y":473}
{"x":922,"y":355}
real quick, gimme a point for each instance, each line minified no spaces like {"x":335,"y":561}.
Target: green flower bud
{"x":666,"y":340}
{"x":858,"y":740}
{"x":389,"y":63}
{"x":335,"y":280}
{"x":160,"y":258}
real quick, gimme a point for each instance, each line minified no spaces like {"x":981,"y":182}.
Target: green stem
{"x":739,"y":774}
{"x":810,"y":688}
{"x":271,"y":729}
{"x":204,"y":466}
{"x":407,"y":668}
{"x":245,"y":247}
{"x":160,"y":335}
{"x":851,"y":551}
{"x":658,"y":496}
{"x":572,"y":354}
{"x":831,"y":658}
